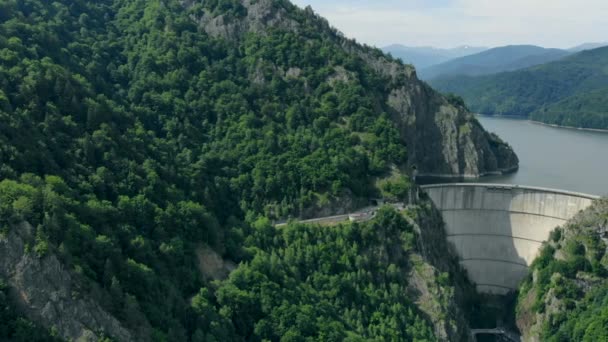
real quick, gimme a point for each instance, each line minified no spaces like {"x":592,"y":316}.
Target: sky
{"x":451,"y":23}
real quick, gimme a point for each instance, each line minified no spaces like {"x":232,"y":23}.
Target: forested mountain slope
{"x":429,"y":124}
{"x":492,"y":61}
{"x":350,"y":282}
{"x":565,"y":297}
{"x":567,"y":92}
{"x":134,"y":134}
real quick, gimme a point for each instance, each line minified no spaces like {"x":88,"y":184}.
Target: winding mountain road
{"x":361,"y":215}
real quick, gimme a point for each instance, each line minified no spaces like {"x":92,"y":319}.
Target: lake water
{"x":551,"y":157}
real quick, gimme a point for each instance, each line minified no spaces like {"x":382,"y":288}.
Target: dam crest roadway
{"x":498,"y":229}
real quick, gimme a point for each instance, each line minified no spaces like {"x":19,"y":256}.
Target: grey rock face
{"x":441,"y":255}
{"x":589,"y":227}
{"x":443,"y":140}
{"x":46,"y":293}
{"x":260,"y":16}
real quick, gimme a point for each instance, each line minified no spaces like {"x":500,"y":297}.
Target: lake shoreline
{"x":598,"y":130}
{"x":567,"y":159}
{"x":525,"y":118}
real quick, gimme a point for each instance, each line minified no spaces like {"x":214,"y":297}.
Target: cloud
{"x":446,"y":23}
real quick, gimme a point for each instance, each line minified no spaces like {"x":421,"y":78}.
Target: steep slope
{"x":14,"y":326}
{"x":538,"y":89}
{"x":586,"y":109}
{"x":506,"y":58}
{"x":442,"y":139}
{"x":134,"y":134}
{"x":565,"y":297}
{"x":423,"y":57}
{"x":46,"y":292}
{"x":353,"y":281}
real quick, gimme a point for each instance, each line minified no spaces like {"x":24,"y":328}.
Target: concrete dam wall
{"x":497,"y":229}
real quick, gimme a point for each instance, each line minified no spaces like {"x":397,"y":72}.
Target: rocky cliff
{"x":48,"y":294}
{"x":443,"y":140}
{"x":437,"y":281}
{"x":566,"y":294}
{"x":153,"y":139}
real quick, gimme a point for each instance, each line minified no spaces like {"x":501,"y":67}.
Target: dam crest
{"x":498,"y":229}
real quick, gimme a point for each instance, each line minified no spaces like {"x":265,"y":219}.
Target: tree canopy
{"x":569,"y":92}
{"x":129,"y":138}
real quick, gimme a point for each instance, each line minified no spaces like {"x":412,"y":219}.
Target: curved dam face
{"x":497,"y":229}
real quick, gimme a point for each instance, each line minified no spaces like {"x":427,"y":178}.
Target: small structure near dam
{"x":497,"y":229}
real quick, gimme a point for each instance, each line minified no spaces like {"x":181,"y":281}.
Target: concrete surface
{"x":361,"y":215}
{"x":497,"y":229}
{"x":507,"y":335}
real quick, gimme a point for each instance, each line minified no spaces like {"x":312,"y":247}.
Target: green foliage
{"x":569,"y":92}
{"x":129,"y":137}
{"x":229,"y":8}
{"x":455,"y":100}
{"x":325,"y":284}
{"x":586,"y":322}
{"x":395,"y":188}
{"x":587,"y":109}
{"x":555,"y":235}
{"x":577,"y":280}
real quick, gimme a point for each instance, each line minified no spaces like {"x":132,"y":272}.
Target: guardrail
{"x":510,"y":187}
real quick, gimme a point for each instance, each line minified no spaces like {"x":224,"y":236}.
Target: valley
{"x":242,"y":170}
{"x":566,"y":92}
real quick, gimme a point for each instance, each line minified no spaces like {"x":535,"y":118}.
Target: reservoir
{"x":551,"y":157}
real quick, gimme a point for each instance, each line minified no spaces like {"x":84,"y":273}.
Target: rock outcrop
{"x":565,"y":295}
{"x":440,"y":267}
{"x":46,"y":292}
{"x":443,"y":139}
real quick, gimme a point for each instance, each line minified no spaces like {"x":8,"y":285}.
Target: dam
{"x":497,"y":229}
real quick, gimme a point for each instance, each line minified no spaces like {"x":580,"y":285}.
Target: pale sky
{"x":451,"y":23}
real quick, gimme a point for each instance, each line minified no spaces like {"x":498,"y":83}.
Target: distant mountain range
{"x":425,"y":56}
{"x":506,"y":58}
{"x":433,"y":63}
{"x":587,"y":46}
{"x":572,"y":91}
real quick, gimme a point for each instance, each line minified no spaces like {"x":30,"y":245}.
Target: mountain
{"x":506,"y":58}
{"x":568,"y":92}
{"x":423,"y":56}
{"x":587,"y":109}
{"x":147,"y":146}
{"x":587,"y":46}
{"x":565,"y":296}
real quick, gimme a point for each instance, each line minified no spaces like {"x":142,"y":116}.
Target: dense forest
{"x":129,"y":139}
{"x":591,"y":110}
{"x":565,"y":297}
{"x":342,"y":283}
{"x":132,"y":140}
{"x":569,"y":92}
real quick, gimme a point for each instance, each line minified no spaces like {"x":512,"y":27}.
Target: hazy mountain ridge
{"x":542,"y":92}
{"x":500,"y":59}
{"x":587,"y":46}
